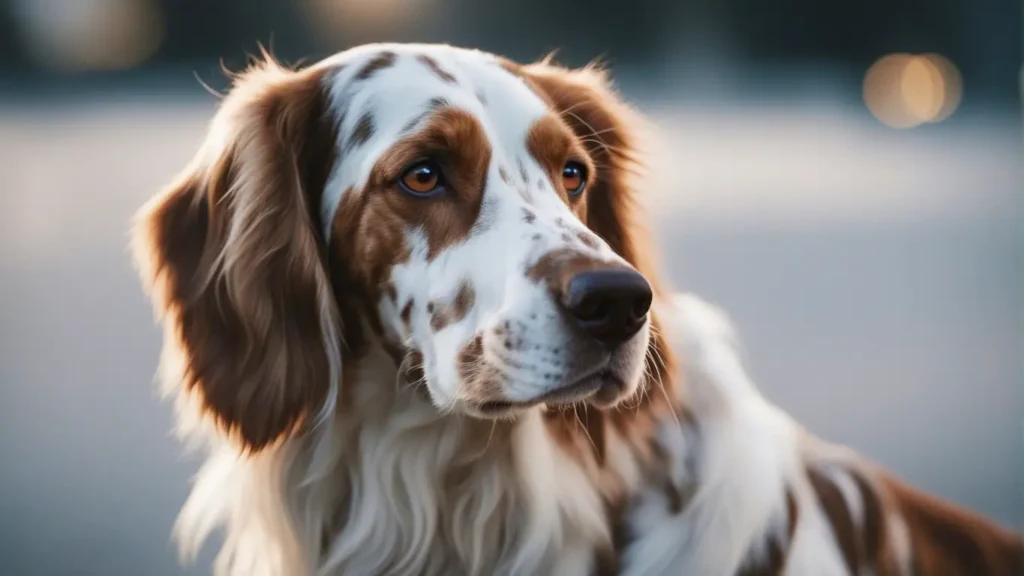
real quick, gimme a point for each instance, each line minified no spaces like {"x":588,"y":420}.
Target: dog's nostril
{"x":593,"y":307}
{"x":642,"y":305}
{"x":609,"y":304}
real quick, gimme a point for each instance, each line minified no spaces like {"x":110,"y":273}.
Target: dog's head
{"x":471,"y":215}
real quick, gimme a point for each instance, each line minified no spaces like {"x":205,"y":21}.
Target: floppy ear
{"x":607,"y":127}
{"x":235,"y":263}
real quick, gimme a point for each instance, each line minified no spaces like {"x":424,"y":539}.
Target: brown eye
{"x":421,"y":179}
{"x":574,"y":178}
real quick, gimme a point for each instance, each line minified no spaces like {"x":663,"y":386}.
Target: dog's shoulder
{"x":772,"y":498}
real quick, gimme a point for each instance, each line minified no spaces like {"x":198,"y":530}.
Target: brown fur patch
{"x":948,"y":539}
{"x":434,"y":67}
{"x":479,"y":382}
{"x":606,"y":560}
{"x":943,"y":538}
{"x":396,"y":352}
{"x":552,"y":144}
{"x":406,"y":315}
{"x":839,"y":517}
{"x":773,"y":563}
{"x":463,"y":151}
{"x":412,"y":367}
{"x":444,"y":315}
{"x":367,"y":241}
{"x":247,"y":310}
{"x":379,"y":62}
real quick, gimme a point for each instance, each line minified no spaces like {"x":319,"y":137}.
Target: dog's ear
{"x":608,"y":127}
{"x":235,"y":262}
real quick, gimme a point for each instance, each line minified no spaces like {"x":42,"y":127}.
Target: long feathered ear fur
{"x":233,"y":259}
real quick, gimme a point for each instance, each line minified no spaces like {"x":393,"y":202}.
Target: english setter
{"x":412,"y":312}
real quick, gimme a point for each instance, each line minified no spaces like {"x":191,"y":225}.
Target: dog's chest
{"x":430,"y":496}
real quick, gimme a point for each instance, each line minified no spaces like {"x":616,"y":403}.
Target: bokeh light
{"x":358,"y":18}
{"x":82,"y":35}
{"x":904,"y":90}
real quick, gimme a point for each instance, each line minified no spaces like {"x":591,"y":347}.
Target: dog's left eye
{"x":574,"y":178}
{"x":422,"y":179}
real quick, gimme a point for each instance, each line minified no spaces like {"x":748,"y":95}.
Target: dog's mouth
{"x":603,"y":387}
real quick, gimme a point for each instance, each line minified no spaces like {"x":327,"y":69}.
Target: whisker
{"x":585,"y":431}
{"x":599,"y":132}
{"x":580,"y":119}
{"x":575,"y":106}
{"x":494,"y":424}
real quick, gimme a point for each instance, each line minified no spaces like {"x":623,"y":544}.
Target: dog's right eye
{"x":422,"y":179}
{"x":574,"y":178}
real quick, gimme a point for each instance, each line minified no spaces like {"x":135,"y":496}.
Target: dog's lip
{"x":580,"y":390}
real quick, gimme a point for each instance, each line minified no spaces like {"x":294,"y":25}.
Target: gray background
{"x":873,"y":274}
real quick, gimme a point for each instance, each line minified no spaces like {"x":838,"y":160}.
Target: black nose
{"x":610,"y":304}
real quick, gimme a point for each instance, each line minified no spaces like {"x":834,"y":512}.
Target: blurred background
{"x":842,"y":176}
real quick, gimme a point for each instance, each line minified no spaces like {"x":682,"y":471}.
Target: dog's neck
{"x":418,"y":490}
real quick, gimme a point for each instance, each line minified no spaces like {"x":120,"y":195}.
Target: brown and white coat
{"x":366,"y":282}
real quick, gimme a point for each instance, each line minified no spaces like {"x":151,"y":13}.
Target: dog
{"x":412,"y":314}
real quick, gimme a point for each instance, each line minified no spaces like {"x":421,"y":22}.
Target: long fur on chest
{"x":392,"y":486}
{"x":723,"y":484}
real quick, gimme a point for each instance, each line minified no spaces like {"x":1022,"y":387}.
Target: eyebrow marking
{"x":529,"y":215}
{"x":379,"y":62}
{"x":504,"y":175}
{"x":432,"y":104}
{"x":438,"y":102}
{"x":362,"y":132}
{"x":414,"y":122}
{"x":522,"y":171}
{"x":436,"y":68}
